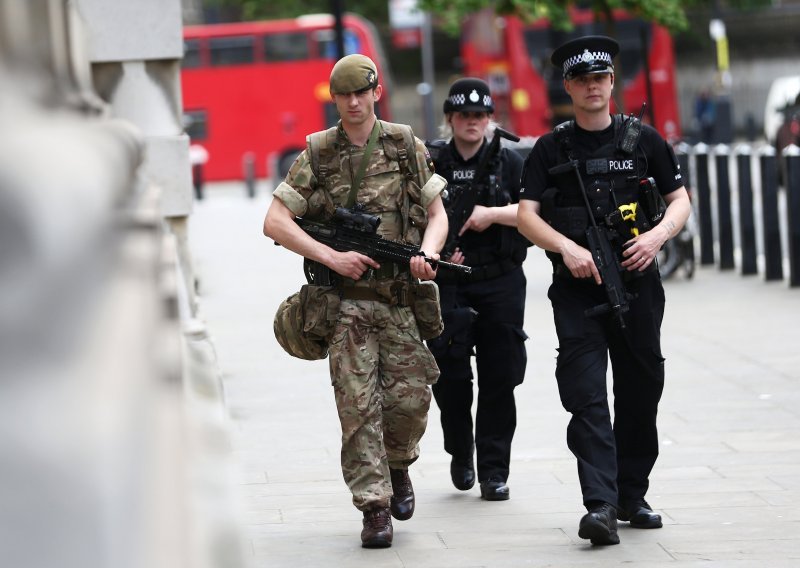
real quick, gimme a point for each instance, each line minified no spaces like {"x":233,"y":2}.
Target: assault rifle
{"x":355,"y":230}
{"x":603,"y":254}
{"x":464,"y":202}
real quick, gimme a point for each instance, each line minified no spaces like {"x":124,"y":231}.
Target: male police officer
{"x":481,"y":198}
{"x":613,"y":155}
{"x":380,"y":368}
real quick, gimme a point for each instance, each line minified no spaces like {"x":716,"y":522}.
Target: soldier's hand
{"x":480,"y":220}
{"x":352,"y":264}
{"x":580,"y":262}
{"x":421,"y":269}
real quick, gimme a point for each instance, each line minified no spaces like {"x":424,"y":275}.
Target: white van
{"x":782,"y":92}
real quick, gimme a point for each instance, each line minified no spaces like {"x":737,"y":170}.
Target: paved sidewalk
{"x":727,"y":482}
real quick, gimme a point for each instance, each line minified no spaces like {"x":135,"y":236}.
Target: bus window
{"x":292,"y":46}
{"x":191,"y":54}
{"x":195,"y":123}
{"x":327,"y":43}
{"x":231,"y":50}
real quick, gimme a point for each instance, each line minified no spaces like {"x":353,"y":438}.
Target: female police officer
{"x":481,"y":202}
{"x":612,"y":155}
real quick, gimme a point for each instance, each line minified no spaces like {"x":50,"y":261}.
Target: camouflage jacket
{"x":400,"y":200}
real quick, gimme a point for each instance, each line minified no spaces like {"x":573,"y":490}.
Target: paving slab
{"x":727,"y":481}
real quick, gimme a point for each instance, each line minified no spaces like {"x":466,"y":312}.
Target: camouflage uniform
{"x":380,"y":368}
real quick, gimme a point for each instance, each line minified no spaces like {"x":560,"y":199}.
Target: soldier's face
{"x":357,"y":107}
{"x":469,"y":126}
{"x":590,"y":93}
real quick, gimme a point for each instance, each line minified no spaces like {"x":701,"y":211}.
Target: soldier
{"x":481,"y":200}
{"x":613,"y":155}
{"x":380,"y":368}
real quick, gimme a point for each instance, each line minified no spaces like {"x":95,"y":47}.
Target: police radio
{"x":631,"y":132}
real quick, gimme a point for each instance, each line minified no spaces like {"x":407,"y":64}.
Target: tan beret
{"x":353,"y":73}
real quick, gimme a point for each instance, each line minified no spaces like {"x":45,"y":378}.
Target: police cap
{"x":469,"y":94}
{"x":353,"y":73}
{"x":586,"y":55}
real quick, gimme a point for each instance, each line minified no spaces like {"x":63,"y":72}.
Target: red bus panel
{"x":254,"y":90}
{"x":514,"y":58}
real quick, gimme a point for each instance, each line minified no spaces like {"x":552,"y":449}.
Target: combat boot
{"x":599,"y":525}
{"x":377,"y":532}
{"x":402,"y":503}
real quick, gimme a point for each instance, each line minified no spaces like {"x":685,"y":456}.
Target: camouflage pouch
{"x":320,"y":310}
{"x":304,"y":322}
{"x":427,"y":309}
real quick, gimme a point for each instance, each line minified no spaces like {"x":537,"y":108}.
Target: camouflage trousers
{"x":380,"y":370}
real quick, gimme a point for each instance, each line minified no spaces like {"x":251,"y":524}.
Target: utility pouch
{"x":427,"y":309}
{"x":320,"y":310}
{"x":652,"y":203}
{"x":305,"y":320}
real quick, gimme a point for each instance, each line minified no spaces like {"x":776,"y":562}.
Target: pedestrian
{"x":704,"y":115}
{"x":484,"y":311}
{"x":613,"y":155}
{"x":380,"y":368}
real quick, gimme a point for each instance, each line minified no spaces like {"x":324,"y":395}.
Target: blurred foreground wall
{"x":113,"y":441}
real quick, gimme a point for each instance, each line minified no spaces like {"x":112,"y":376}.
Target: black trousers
{"x":500,"y":358}
{"x":614,"y":460}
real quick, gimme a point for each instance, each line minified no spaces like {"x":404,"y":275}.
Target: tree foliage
{"x":451,"y":13}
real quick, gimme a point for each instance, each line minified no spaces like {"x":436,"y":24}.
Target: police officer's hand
{"x":480,"y":220}
{"x":640,"y":251}
{"x":457,"y":257}
{"x":352,"y":264}
{"x":421,"y":269}
{"x":579,"y":261}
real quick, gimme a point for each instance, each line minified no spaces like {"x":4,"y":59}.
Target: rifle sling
{"x":362,"y":167}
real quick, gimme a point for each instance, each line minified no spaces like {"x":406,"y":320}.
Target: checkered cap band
{"x":460,"y":99}
{"x":586,"y":57}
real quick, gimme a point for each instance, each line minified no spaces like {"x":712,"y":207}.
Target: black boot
{"x":495,"y":489}
{"x":639,"y":514}
{"x":462,"y":472}
{"x":599,"y":525}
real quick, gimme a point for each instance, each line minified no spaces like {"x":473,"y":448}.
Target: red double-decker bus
{"x":514,"y":58}
{"x":252,"y":91}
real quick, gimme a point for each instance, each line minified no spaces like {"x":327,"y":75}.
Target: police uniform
{"x":614,"y":460}
{"x":496,"y":291}
{"x":380,"y":368}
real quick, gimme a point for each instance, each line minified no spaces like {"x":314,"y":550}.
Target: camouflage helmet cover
{"x":288,"y":329}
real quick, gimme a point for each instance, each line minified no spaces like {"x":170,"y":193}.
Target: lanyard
{"x":362,"y":167}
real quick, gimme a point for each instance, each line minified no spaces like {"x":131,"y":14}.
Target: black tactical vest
{"x":498,"y":248}
{"x":610,"y":175}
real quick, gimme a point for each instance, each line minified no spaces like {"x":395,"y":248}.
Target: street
{"x":727,"y":482}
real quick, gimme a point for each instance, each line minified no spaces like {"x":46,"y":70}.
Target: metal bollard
{"x":704,"y":205}
{"x":747,"y":226}
{"x":682,"y":150}
{"x":773,"y":261}
{"x":792,"y":156}
{"x":724,"y":222}
{"x":249,"y":172}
